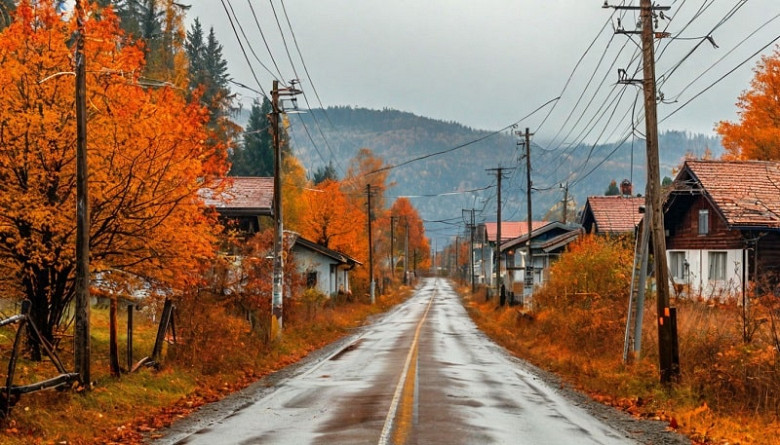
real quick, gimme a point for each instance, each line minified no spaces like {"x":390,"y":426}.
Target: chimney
{"x":625,"y":188}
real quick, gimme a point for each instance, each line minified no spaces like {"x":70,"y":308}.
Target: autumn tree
{"x":333,"y":221}
{"x":419,"y":245}
{"x":757,"y":134}
{"x":146,"y":154}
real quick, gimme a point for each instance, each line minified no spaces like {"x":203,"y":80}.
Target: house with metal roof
{"x":722,"y":221}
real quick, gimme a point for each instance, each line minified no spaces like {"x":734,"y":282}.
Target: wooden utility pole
{"x":278,"y":272}
{"x":457,"y":268}
{"x":670,"y":370}
{"x":406,"y":254}
{"x":277,"y":296}
{"x":528,"y":282}
{"x":370,"y":244}
{"x":81,"y":347}
{"x":470,"y":225}
{"x":392,"y":245}
{"x":666,"y":320}
{"x":499,"y":175}
{"x":565,"y":200}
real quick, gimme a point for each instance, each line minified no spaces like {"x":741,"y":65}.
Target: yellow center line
{"x":405,"y":390}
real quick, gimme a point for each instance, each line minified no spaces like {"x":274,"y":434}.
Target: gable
{"x":746,"y":194}
{"x":611,"y":214}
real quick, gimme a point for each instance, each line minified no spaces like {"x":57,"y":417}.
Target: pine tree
{"x":255,"y":156}
{"x":324,"y":173}
{"x":7,"y":8}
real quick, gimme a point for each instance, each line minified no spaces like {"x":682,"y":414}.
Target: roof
{"x":746,"y":193}
{"x":240,"y":195}
{"x":322,"y":250}
{"x":511,"y":229}
{"x":565,"y":233}
{"x":612,"y":214}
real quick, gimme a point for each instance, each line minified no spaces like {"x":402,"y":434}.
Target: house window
{"x":717,"y":266}
{"x":311,"y":279}
{"x":704,"y":222}
{"x":677,"y":265}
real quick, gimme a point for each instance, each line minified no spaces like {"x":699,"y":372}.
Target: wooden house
{"x":611,"y":215}
{"x":547,"y":244}
{"x":722,"y":221}
{"x":242,"y":200}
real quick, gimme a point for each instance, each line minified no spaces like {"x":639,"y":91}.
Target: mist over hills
{"x":442,"y":184}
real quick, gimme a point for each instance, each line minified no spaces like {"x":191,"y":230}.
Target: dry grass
{"x":729,"y":390}
{"x":124,"y":410}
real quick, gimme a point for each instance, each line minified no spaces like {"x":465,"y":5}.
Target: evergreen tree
{"x":208,"y":70}
{"x":255,"y":156}
{"x":7,"y":8}
{"x":324,"y":173}
{"x":612,"y":190}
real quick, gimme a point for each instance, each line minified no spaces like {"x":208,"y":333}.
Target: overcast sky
{"x":490,"y":63}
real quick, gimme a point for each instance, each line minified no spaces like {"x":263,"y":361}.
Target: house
{"x":722,"y":221}
{"x":485,"y":245}
{"x":244,"y":200}
{"x":611,"y":215}
{"x":241,"y":199}
{"x":324,"y":269}
{"x":547,"y":244}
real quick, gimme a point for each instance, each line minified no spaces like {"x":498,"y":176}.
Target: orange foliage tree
{"x":146,"y":156}
{"x":757,"y":134}
{"x":333,"y":221}
{"x":408,"y":217}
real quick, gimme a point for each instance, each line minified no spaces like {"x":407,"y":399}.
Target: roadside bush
{"x":583,"y":302}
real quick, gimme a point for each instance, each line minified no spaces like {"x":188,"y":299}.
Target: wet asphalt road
{"x":422,"y":374}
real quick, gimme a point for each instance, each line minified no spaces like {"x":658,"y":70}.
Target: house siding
{"x":684,"y":235}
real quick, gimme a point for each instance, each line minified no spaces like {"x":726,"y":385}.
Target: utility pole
{"x":278,"y":277}
{"x":81,"y":347}
{"x":370,"y":245}
{"x":470,"y":226}
{"x":406,"y":253}
{"x":666,"y":316}
{"x":392,"y":245}
{"x":457,"y":267}
{"x":565,"y":187}
{"x":528,"y":284}
{"x":278,"y":273}
{"x":499,"y":175}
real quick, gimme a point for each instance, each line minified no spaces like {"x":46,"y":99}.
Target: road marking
{"x":411,"y":357}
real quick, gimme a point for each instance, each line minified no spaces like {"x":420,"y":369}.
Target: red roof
{"x":612,"y":214}
{"x":243,"y":194}
{"x":747,"y":193}
{"x":511,"y":229}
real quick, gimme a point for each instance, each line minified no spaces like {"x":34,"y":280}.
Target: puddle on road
{"x":351,"y":347}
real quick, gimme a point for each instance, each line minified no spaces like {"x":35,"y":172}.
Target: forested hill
{"x":399,"y":137}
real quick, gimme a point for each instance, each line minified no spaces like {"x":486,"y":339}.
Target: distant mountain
{"x":401,"y":137}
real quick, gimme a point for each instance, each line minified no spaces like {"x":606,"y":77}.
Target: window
{"x":677,"y":265}
{"x":704,"y":222}
{"x":311,"y":279}
{"x":717,"y":266}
